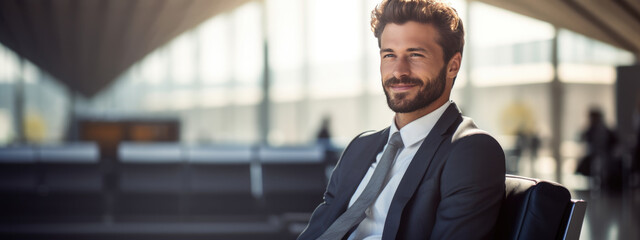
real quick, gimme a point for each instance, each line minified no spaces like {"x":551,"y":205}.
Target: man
{"x":446,"y":177}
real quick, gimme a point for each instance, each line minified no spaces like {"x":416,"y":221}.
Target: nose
{"x":401,"y":68}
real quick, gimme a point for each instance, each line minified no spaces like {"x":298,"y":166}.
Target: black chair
{"x":536,"y":209}
{"x":18,"y":182}
{"x":72,"y":182}
{"x":150,"y":182}
{"x":293,"y":178}
{"x":219,"y":181}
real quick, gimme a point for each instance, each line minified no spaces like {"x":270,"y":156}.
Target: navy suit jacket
{"x":453,"y":187}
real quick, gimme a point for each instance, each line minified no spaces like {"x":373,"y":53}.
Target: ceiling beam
{"x":605,"y":21}
{"x":610,"y":17}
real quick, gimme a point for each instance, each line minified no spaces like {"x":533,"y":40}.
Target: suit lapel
{"x":416,"y":170}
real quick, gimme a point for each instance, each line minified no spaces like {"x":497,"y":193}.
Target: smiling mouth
{"x":401,"y":87}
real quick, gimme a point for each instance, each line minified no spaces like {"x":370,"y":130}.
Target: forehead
{"x":408,"y":35}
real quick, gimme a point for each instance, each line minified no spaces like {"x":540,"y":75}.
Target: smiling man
{"x":432,"y":174}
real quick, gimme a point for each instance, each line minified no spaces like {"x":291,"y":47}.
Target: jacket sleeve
{"x":472,"y":189}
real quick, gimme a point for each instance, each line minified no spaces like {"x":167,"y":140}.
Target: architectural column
{"x":19,"y":104}
{"x":303,"y":108}
{"x":365,"y":96}
{"x":557,"y":111}
{"x":468,"y":91}
{"x":264,"y":114}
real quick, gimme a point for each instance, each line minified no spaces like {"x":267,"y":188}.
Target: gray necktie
{"x":356,"y":213}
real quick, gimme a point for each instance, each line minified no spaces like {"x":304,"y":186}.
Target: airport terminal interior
{"x":216,"y":119}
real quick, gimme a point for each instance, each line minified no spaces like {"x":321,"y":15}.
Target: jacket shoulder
{"x":364,"y":139}
{"x":467,"y":128}
{"x":369,"y":135}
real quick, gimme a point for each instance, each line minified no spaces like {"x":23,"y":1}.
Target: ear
{"x":453,"y":66}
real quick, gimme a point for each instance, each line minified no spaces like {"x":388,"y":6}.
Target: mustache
{"x":394,"y":80}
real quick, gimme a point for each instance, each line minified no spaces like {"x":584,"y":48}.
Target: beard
{"x":428,"y":93}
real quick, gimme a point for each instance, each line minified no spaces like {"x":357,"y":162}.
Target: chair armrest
{"x":575,"y":216}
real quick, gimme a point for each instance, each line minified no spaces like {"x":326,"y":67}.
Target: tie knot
{"x":396,"y":140}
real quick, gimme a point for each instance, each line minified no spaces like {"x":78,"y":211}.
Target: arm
{"x":472,"y":188}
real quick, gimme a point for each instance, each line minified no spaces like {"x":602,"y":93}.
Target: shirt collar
{"x":417,"y":130}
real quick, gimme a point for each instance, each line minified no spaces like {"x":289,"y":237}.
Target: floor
{"x":611,"y":215}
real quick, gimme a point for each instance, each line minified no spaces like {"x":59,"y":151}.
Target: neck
{"x":402,"y":119}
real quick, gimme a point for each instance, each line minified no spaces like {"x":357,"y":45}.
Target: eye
{"x":416,"y":55}
{"x":388,"y":55}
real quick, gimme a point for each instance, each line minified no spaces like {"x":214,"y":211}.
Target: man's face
{"x":411,"y":65}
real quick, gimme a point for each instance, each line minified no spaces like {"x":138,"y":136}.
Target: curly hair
{"x":443,"y":17}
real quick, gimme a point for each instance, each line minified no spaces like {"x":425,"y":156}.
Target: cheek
{"x":427,"y":75}
{"x":423,"y":69}
{"x":385,"y":71}
{"x":384,"y":67}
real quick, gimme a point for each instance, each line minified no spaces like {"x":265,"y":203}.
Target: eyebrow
{"x":416,"y":49}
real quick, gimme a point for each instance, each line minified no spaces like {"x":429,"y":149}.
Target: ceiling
{"x":616,"y":22}
{"x":86,"y":44}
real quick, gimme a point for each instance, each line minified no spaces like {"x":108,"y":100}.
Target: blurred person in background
{"x":324,"y":136}
{"x":600,"y":142}
{"x":432,"y":174}
{"x":324,"y":139}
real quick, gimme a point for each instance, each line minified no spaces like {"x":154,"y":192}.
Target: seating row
{"x":157,"y":180}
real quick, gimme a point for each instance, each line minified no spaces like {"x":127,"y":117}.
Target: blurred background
{"x":222,"y":119}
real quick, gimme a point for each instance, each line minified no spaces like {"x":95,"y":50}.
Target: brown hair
{"x":443,"y":17}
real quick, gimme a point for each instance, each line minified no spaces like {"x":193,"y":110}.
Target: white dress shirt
{"x":413,"y":134}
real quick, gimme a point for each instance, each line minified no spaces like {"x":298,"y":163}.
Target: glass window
{"x":8,"y":65}
{"x":6,"y":127}
{"x":182,"y":58}
{"x":30,"y":72}
{"x":153,"y":69}
{"x":504,"y":52}
{"x":215,"y":54}
{"x":585,"y":60}
{"x":155,"y":101}
{"x":182,"y":99}
{"x":287,"y":50}
{"x":335,"y":48}
{"x":213,"y":97}
{"x":494,"y":26}
{"x":248,"y":54}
